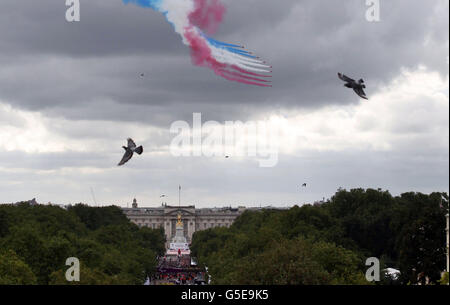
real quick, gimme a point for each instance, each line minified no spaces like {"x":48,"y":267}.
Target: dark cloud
{"x":53,"y":66}
{"x":106,"y":28}
{"x":55,"y":161}
{"x":80,"y":75}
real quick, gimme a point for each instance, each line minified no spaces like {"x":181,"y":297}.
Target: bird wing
{"x":126,"y":157}
{"x":360,"y":92}
{"x":229,"y":61}
{"x":345,"y":78}
{"x":131,"y":143}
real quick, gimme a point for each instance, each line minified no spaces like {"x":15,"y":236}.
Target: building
{"x":193,"y":219}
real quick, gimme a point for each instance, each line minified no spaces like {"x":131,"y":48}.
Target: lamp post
{"x":162,"y":200}
{"x":447,"y":229}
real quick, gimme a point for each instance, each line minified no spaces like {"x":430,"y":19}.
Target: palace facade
{"x":193,"y":219}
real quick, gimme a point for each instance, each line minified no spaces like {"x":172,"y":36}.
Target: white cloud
{"x":33,"y":132}
{"x":411,"y":110}
{"x":30,"y":136}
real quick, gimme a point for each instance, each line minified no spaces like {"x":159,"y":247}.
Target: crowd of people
{"x":180,"y":278}
{"x":172,"y":261}
{"x":177,"y":270}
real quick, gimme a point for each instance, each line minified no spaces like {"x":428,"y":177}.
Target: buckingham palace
{"x":193,"y":219}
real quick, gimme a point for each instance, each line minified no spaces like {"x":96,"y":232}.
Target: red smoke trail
{"x":200,"y":51}
{"x":207,"y":15}
{"x":248,"y":72}
{"x":245,"y":76}
{"x":240,"y":80}
{"x":201,"y":56}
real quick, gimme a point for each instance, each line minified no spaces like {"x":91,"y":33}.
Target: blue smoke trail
{"x":213,"y":41}
{"x":154,"y":4}
{"x":229,"y":47}
{"x":234,"y":63}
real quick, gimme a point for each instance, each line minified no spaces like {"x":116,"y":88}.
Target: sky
{"x":71,"y":94}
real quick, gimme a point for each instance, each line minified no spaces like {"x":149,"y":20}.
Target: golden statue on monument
{"x":179,"y":222}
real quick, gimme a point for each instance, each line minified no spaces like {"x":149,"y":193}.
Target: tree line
{"x":325,"y":243}
{"x":329,"y":243}
{"x":36,"y":240}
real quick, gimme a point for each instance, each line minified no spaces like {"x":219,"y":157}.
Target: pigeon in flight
{"x":129,"y":151}
{"x":304,"y":185}
{"x":357,"y":86}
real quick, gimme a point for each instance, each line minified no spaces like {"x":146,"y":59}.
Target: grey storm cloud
{"x":72,"y":69}
{"x":52,"y":161}
{"x":82,"y":79}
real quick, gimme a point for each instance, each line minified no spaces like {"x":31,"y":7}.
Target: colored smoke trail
{"x":191,"y":19}
{"x":207,"y":15}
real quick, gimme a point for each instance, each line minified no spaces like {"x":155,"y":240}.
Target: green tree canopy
{"x":111,"y":250}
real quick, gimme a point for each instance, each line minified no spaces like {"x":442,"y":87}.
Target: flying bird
{"x":129,"y":150}
{"x":194,"y":20}
{"x":357,"y":86}
{"x":304,"y":185}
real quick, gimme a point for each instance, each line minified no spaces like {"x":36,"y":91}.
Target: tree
{"x":420,"y":242}
{"x":110,"y":248}
{"x":13,"y":271}
{"x":4,"y":223}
